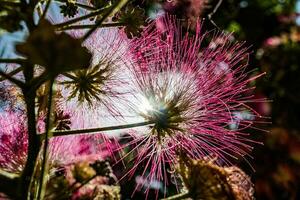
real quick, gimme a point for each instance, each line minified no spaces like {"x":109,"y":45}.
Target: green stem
{"x":101,"y":129}
{"x":42,"y":185}
{"x":88,"y":26}
{"x":178,"y":196}
{"x":111,"y":12}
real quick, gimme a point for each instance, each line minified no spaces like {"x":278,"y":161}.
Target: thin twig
{"x":12,"y":60}
{"x":88,"y":26}
{"x":45,"y":11}
{"x":12,"y":73}
{"x":178,"y":196}
{"x":213,"y":12}
{"x":12,"y":79}
{"x":112,"y":11}
{"x":41,"y":190}
{"x":95,"y":130}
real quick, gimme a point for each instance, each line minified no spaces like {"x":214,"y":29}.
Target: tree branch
{"x":94,"y":130}
{"x":12,"y":60}
{"x":12,"y":79}
{"x":42,"y":184}
{"x":88,"y":26}
{"x":14,"y":72}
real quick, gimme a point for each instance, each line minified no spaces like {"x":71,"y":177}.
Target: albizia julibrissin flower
{"x":95,"y":96}
{"x":13,"y":142}
{"x":193,"y":95}
{"x":98,"y":90}
{"x":62,"y":150}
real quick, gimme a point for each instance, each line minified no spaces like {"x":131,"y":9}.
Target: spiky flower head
{"x":191,"y":94}
{"x":99,"y":89}
{"x":88,"y":85}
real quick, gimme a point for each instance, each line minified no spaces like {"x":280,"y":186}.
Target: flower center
{"x":166,"y":117}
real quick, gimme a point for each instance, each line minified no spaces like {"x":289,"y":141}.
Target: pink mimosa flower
{"x":96,"y":93}
{"x":13,"y":142}
{"x":193,"y":96}
{"x":62,"y":150}
{"x":96,"y":97}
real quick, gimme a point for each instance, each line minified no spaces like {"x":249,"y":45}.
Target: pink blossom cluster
{"x":62,"y":150}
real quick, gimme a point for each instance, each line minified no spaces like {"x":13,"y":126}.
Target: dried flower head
{"x":193,"y":95}
{"x":205,"y":180}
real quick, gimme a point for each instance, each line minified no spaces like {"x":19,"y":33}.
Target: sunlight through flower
{"x":191,"y":93}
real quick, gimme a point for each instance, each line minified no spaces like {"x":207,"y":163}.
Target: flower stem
{"x":19,"y":69}
{"x":12,"y":60}
{"x":42,"y":183}
{"x":94,"y":130}
{"x":178,"y":196}
{"x":11,"y":79}
{"x":87,"y":26}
